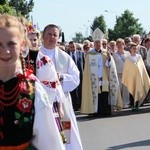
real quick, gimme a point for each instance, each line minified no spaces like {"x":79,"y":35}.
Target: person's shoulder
{"x":142,"y":47}
{"x":80,"y":52}
{"x":139,"y":56}
{"x":92,"y":50}
{"x":115,"y":53}
{"x":104,"y":50}
{"x":61,"y":51}
{"x":127,"y":52}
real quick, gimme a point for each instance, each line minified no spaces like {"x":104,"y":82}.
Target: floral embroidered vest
{"x":16,"y":112}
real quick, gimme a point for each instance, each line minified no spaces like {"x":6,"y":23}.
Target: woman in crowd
{"x":120,"y":56}
{"x":135,"y":77}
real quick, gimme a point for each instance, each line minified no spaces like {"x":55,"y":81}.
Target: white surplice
{"x":45,"y":131}
{"x":66,"y":67}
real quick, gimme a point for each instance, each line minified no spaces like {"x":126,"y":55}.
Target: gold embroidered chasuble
{"x":136,"y":79}
{"x":90,"y":83}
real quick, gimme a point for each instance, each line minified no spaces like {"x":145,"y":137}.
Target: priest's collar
{"x":99,"y":51}
{"x":47,"y":49}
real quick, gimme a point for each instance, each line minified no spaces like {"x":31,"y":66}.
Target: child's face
{"x":34,"y":40}
{"x":10,"y":46}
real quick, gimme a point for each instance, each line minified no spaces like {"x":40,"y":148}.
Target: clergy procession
{"x":44,"y":82}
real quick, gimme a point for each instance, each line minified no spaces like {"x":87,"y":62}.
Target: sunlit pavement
{"x":125,"y":130}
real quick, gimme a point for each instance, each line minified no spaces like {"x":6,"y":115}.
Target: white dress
{"x":45,"y":131}
{"x":66,"y":67}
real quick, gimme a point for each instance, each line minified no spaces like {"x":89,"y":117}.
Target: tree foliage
{"x":126,"y":25}
{"x":5,"y":8}
{"x":22,"y":6}
{"x":78,"y":37}
{"x":100,"y":23}
{"x":16,"y":7}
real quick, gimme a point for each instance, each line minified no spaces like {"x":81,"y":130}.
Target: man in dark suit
{"x":78,"y":57}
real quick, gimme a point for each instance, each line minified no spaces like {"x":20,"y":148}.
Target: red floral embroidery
{"x":44,"y":60}
{"x":53,"y":84}
{"x":50,"y":84}
{"x":21,"y":76}
{"x":29,"y":71}
{"x":23,"y":87}
{"x":39,"y":64}
{"x":25,"y":105}
{"x":45,"y":82}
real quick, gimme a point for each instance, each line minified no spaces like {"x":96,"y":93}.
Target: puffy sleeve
{"x":45,"y":131}
{"x":71,"y":78}
{"x":46,"y":73}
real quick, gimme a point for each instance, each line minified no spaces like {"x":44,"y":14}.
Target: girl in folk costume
{"x":26,"y":117}
{"x":135,"y":77}
{"x":32,"y":41}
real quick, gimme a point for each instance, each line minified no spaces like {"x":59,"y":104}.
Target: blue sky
{"x":77,"y":16}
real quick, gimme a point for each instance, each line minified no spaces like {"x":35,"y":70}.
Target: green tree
{"x":100,"y":23}
{"x":5,"y":8}
{"x":78,"y":37}
{"x":22,"y":7}
{"x":126,"y":25}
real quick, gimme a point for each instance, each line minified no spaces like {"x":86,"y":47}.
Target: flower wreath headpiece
{"x":30,"y":27}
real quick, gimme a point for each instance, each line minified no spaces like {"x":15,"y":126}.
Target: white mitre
{"x":97,"y":35}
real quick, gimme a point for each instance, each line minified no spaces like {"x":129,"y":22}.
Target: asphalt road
{"x":125,"y":130}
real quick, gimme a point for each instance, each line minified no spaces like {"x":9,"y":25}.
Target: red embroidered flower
{"x":53,"y":84}
{"x":23,"y":87}
{"x":39,"y":64}
{"x":25,"y":105}
{"x":45,"y":60}
{"x":21,"y":76}
{"x":45,"y":82}
{"x":29,"y":71}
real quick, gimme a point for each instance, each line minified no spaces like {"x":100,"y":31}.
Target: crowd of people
{"x":43,"y":82}
{"x":115,"y":74}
